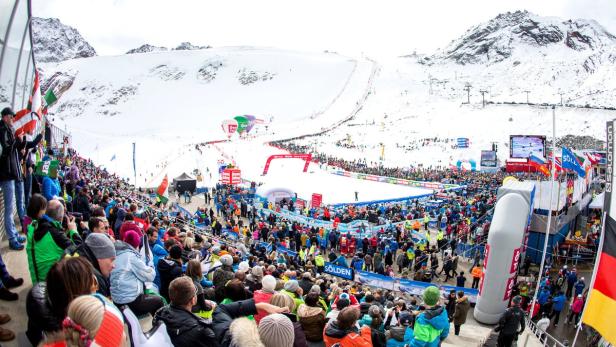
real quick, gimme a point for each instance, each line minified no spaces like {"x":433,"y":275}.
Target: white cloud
{"x":378,"y":28}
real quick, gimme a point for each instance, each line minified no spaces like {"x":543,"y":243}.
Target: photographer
{"x":48,"y":239}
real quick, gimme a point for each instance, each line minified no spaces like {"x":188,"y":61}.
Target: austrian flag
{"x":24,"y":122}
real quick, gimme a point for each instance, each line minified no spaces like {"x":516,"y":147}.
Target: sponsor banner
{"x":417,"y":288}
{"x":419,"y":184}
{"x":374,"y":280}
{"x":283,"y":249}
{"x":317,"y":199}
{"x":515,"y":260}
{"x":509,"y":288}
{"x":339,"y":271}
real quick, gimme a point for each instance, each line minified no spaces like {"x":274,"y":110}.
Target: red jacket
{"x":261,"y":296}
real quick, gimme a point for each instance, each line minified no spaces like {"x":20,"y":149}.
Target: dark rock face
{"x":55,"y":42}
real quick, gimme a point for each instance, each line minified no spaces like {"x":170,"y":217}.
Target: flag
{"x":571,"y":162}
{"x":594,"y":159}
{"x":538,"y":162}
{"x":25,"y":122}
{"x":600,"y":310}
{"x":35,"y":103}
{"x":163,"y":191}
{"x":50,"y":97}
{"x":47,"y":168}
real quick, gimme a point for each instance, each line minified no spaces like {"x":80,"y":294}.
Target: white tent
{"x":597,"y":202}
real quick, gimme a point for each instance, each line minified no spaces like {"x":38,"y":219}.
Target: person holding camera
{"x":48,"y":238}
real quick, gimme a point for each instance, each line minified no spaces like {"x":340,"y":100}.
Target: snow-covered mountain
{"x":521,"y":32}
{"x":184,"y":46}
{"x":54,"y":41}
{"x":147,"y":48}
{"x":414,"y":106}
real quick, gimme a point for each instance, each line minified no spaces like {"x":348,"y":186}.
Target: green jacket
{"x":296,"y":298}
{"x":46,"y":244}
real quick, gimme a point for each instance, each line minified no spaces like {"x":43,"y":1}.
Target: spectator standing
{"x":511,"y":323}
{"x":462,"y":307}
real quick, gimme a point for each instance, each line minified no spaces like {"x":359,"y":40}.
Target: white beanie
{"x":243,"y":267}
{"x":276,"y":330}
{"x":226,"y":260}
{"x":269,"y":283}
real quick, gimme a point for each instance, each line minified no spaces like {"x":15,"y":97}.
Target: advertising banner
{"x":339,"y":271}
{"x":316,"y":200}
{"x":374,"y":280}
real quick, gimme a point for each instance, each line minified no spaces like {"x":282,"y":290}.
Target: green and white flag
{"x":47,"y":168}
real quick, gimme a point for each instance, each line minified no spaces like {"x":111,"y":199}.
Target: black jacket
{"x":168,"y":270}
{"x":511,"y":321}
{"x":41,"y":318}
{"x":224,"y":314}
{"x":306,"y":285}
{"x":9,"y":159}
{"x":185,"y":328}
{"x":103,"y":283}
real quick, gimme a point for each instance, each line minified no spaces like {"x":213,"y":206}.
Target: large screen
{"x":522,"y":146}
{"x":488,"y":159}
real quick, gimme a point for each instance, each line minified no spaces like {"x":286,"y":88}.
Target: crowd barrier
{"x":393,"y":180}
{"x":403,"y":285}
{"x":354,"y":227}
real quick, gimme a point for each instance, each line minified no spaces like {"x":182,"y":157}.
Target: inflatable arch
{"x":306,"y":157}
{"x":276,"y":194}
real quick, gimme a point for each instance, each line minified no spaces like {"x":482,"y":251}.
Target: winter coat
{"x":129,"y":274}
{"x":9,"y":157}
{"x":185,"y":328}
{"x":462,"y":307}
{"x":347,"y":338}
{"x":224,"y":314}
{"x":41,"y":316}
{"x":46,"y":244}
{"x":168,"y":269}
{"x":431,"y":327}
{"x":511,"y":321}
{"x":407,"y":338}
{"x":103,"y":282}
{"x":296,"y":298}
{"x":51,"y":187}
{"x":158,"y":253}
{"x":261,"y":296}
{"x":312,"y":320}
{"x":577,"y":305}
{"x":306,"y":285}
{"x":559,"y":302}
{"x":221,"y":276}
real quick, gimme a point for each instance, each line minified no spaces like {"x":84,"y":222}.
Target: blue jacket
{"x":579,"y":287}
{"x":559,"y":302}
{"x":158,"y":253}
{"x":431,"y":327}
{"x":571,"y":278}
{"x":51,"y":187}
{"x":129,"y":274}
{"x":544,"y":295}
{"x":408,"y":337}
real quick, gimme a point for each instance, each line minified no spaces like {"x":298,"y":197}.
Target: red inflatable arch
{"x":306,"y":157}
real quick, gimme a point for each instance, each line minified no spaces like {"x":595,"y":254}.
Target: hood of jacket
{"x":44,"y":225}
{"x":435,"y":316}
{"x":123,"y":247}
{"x":332,"y":330}
{"x":308,"y":311}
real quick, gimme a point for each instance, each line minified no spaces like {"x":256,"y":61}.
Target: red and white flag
{"x":26,"y":120}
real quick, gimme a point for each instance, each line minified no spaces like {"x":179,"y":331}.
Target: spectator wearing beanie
{"x":264,"y":294}
{"x":276,"y":330}
{"x":129,"y":275}
{"x":312,"y":318}
{"x":343,"y":330}
{"x":99,"y":250}
{"x":223,"y":274}
{"x":170,"y":268}
{"x":432,"y":325}
{"x":244,"y":333}
{"x":322,"y":303}
{"x":254,"y":278}
{"x":294,"y":291}
{"x":341,"y":305}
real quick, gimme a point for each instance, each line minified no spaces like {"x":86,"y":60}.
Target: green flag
{"x":50,"y":97}
{"x":47,"y":168}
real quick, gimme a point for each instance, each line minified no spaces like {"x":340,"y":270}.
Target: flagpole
{"x":549,"y":225}
{"x":592,"y":279}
